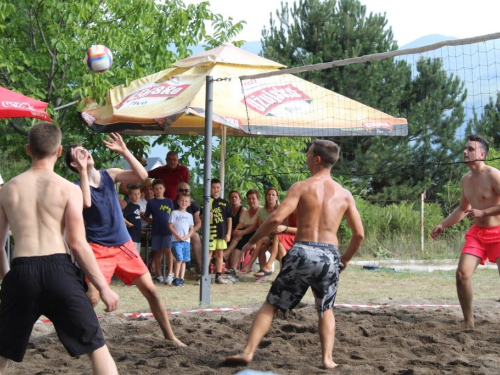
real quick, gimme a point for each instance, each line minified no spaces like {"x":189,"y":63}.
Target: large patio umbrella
{"x":13,"y":104}
{"x":173,"y":102}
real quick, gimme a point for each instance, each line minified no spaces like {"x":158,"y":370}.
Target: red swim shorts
{"x":483,"y":243}
{"x":123,"y":260}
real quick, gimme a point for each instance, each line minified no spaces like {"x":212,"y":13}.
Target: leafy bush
{"x":394,"y":231}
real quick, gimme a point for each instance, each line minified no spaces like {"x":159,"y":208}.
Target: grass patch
{"x":400,"y":246}
{"x":356,"y":286}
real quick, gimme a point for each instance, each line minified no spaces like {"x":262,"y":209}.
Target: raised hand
{"x":115,"y":143}
{"x":80,"y":156}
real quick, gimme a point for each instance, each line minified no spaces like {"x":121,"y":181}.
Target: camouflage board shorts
{"x":307,"y":264}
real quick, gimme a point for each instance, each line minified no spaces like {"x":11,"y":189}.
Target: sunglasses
{"x":183,"y":190}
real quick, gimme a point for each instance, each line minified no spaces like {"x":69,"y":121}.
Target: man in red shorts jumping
{"x":106,"y":232}
{"x":480,"y":201}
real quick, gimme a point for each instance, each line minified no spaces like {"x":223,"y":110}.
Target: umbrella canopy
{"x":13,"y":104}
{"x":173,"y":102}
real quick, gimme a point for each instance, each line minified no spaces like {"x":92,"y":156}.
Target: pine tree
{"x":386,"y":168}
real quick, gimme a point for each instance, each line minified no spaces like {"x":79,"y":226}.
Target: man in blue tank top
{"x":106,"y":231}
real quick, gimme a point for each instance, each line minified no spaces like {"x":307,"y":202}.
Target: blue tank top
{"x":104,"y":219}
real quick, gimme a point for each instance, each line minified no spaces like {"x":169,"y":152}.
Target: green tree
{"x":313,"y":32}
{"x":434,"y":107}
{"x":42,"y":44}
{"x":384,"y":168}
{"x":488,"y":125}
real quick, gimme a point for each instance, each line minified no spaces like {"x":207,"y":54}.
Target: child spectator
{"x":160,"y":208}
{"x":182,"y":228}
{"x":221,"y":216}
{"x":132,"y":216}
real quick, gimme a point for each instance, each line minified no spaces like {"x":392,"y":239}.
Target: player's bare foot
{"x":178,"y":343}
{"x":329,"y":365}
{"x":238,"y":360}
{"x":468,"y":324}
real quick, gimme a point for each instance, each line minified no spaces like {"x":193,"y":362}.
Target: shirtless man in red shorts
{"x":480,"y":201}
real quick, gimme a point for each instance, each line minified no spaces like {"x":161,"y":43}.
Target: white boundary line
{"x":227,"y":309}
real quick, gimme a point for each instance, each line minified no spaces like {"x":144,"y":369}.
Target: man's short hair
{"x":158,"y":181}
{"x":68,"y":158}
{"x":328,"y":151}
{"x":170,"y":153}
{"x":44,"y":139}
{"x":484,"y":143}
{"x":253,"y":191}
{"x":133,"y":187}
{"x":215,"y":181}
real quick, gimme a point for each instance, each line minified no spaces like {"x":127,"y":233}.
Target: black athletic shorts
{"x":52,"y":286}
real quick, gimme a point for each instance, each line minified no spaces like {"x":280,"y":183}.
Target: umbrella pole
{"x":223,"y":159}
{"x":206,"y":280}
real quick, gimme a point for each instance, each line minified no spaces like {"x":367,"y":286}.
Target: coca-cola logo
{"x":18,"y":105}
{"x":266,"y":99}
{"x":153,"y":93}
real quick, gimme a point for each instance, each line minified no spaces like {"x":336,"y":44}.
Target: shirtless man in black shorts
{"x":314,"y":259}
{"x":39,"y":205}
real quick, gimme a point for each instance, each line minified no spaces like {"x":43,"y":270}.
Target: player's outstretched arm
{"x":75,"y":233}
{"x":137,"y":173}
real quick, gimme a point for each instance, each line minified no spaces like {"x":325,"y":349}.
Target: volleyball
{"x":98,"y":58}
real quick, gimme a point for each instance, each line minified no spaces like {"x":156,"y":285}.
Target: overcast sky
{"x":408,"y":22}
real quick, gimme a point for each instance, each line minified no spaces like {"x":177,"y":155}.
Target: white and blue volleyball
{"x":98,"y":58}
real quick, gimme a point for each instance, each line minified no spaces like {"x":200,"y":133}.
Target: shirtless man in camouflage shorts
{"x":314,"y":260}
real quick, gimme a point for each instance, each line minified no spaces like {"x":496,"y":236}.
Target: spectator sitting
{"x":271,"y":204}
{"x":181,"y":226}
{"x":132,"y":216}
{"x":172,"y":174}
{"x":245,"y":228}
{"x":238,"y":209}
{"x":283,"y":241}
{"x":236,"y":206}
{"x":193,"y":209}
{"x":160,"y":209}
